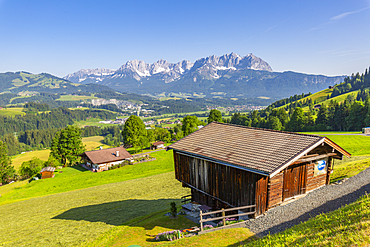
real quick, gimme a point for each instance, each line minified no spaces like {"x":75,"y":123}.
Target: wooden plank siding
{"x":275,"y":190}
{"x":229,"y":184}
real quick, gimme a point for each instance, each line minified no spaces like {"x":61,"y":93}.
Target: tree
{"x":297,"y":120}
{"x":67,"y":145}
{"x":31,"y":168}
{"x":6,"y":169}
{"x":322,"y":117}
{"x":189,"y":124}
{"x":134,"y":132}
{"x":214,"y":115}
{"x":274,"y":123}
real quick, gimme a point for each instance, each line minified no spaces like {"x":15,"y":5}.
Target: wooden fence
{"x":223,"y":217}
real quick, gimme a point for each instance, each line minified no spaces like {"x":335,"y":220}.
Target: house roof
{"x":107,"y":155}
{"x":48,"y":169}
{"x":259,"y":150}
{"x":157,"y":143}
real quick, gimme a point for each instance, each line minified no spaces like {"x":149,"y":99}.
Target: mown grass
{"x":349,"y":168}
{"x":75,"y":217}
{"x":17,"y":160}
{"x":94,"y":142}
{"x":75,"y":98}
{"x":348,"y":226}
{"x":91,"y":143}
{"x":92,"y":122}
{"x":354,"y":144}
{"x":141,"y":231}
{"x":74,"y":178}
{"x":12,"y":111}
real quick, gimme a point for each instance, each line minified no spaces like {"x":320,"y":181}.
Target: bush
{"x":173,"y":209}
{"x":31,"y":168}
{"x":169,"y":236}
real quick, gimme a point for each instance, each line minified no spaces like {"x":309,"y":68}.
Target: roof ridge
{"x":263,"y":129}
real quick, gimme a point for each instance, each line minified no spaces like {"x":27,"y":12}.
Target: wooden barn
{"x":229,"y":166}
{"x":101,"y":160}
{"x":47,"y":172}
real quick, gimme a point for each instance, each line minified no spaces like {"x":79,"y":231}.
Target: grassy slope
{"x":17,"y":160}
{"x":75,"y":98}
{"x":72,"y":218}
{"x":141,"y":231}
{"x":91,"y":143}
{"x":12,"y":111}
{"x":73,"y":178}
{"x":349,"y":226}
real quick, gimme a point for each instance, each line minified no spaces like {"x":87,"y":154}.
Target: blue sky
{"x":61,"y":37}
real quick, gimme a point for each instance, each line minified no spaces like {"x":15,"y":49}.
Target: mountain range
{"x":230,"y":75}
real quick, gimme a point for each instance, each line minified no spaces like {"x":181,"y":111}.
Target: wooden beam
{"x":310,"y":155}
{"x":303,"y":159}
{"x":201,"y":191}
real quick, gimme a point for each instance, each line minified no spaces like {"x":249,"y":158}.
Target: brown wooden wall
{"x":47,"y":174}
{"x":318,"y":181}
{"x":276,"y":183}
{"x":275,"y":190}
{"x":235,"y":186}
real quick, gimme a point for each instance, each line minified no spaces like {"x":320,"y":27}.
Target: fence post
{"x":223,"y":215}
{"x":200,"y":221}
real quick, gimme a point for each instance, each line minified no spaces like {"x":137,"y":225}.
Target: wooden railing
{"x":223,"y":217}
{"x":185,"y":199}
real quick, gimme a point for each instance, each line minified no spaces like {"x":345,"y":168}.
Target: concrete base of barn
{"x":192,"y":212}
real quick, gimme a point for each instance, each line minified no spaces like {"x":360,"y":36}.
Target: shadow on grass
{"x":118,"y":212}
{"x":79,"y":168}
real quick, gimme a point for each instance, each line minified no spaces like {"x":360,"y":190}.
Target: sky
{"x":62,"y":37}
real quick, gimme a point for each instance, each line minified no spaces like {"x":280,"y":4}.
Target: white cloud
{"x":345,"y":14}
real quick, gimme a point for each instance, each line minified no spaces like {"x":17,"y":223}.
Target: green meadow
{"x":79,"y":216}
{"x":73,"y":178}
{"x":13,"y":111}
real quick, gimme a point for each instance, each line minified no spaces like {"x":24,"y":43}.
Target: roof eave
{"x":297,"y":157}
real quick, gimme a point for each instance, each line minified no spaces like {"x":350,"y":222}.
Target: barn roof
{"x":107,"y":155}
{"x":47,"y":169}
{"x":259,"y":150}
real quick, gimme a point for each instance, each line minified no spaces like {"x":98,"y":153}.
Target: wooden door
{"x":295,"y":181}
{"x":261,"y":195}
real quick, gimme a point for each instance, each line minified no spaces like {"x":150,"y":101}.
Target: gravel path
{"x":322,"y":200}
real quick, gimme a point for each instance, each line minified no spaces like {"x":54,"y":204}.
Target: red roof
{"x":108,"y":155}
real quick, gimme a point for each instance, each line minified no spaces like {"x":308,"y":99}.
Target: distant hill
{"x":26,"y":82}
{"x":230,"y":75}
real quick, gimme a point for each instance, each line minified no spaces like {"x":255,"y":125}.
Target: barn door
{"x":261,"y":195}
{"x":295,"y":180}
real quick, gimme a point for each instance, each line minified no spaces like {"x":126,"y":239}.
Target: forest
{"x":351,"y":115}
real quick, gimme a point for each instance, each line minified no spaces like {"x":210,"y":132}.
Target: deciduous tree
{"x":214,"y":115}
{"x":134,"y":132}
{"x":67,"y":145}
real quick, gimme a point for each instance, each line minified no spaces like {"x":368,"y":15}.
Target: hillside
{"x":230,"y":75}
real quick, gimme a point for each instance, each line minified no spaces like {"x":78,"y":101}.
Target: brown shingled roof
{"x":157,"y":143}
{"x":107,"y":155}
{"x":259,"y":150}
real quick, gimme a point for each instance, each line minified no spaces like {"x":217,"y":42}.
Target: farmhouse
{"x":101,"y":160}
{"x":156,"y":145}
{"x":229,"y":166}
{"x":47,"y":172}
